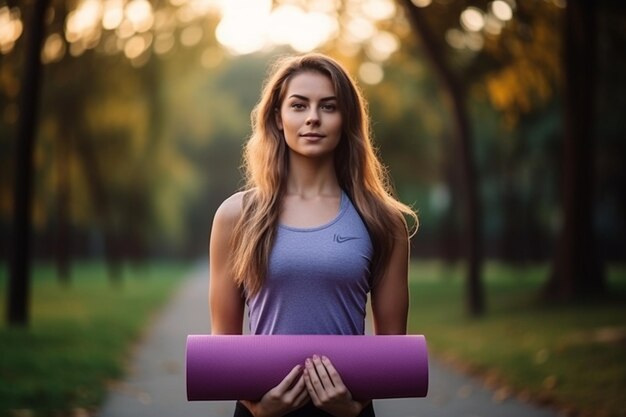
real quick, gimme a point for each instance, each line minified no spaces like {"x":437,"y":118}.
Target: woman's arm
{"x":225,"y":301}
{"x":390,"y":296}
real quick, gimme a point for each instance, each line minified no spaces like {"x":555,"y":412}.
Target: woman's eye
{"x":297,"y":106}
{"x":329,"y":107}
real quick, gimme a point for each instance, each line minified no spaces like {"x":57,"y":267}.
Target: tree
{"x":19,"y":285}
{"x":525,"y":72}
{"x":577,"y":269}
{"x":458,"y":98}
{"x":73,"y":139}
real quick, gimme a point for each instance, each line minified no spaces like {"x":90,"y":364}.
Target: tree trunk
{"x":19,"y":278}
{"x":577,"y":269}
{"x":472,"y":240}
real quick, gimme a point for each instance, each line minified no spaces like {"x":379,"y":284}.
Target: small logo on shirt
{"x":340,"y":239}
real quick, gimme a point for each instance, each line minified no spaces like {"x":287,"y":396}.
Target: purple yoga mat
{"x":240,"y":367}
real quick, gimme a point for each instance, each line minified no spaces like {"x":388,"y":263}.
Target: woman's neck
{"x":309,"y":177}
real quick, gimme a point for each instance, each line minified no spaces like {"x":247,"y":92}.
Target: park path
{"x":155,"y":385}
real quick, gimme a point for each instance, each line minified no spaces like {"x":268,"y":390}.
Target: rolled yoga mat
{"x":245,"y":367}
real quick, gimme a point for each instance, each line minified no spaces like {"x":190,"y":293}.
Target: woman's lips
{"x":312,"y":138}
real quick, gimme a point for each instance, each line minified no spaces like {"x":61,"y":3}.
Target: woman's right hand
{"x":289,"y":395}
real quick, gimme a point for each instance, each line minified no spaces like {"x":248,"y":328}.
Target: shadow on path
{"x":155,"y":386}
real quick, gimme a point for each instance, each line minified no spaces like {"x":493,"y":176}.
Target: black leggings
{"x":309,"y":410}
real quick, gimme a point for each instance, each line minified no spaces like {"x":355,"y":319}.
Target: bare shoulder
{"x":230,"y":210}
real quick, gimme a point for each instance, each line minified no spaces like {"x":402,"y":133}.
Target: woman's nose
{"x":312,"y":117}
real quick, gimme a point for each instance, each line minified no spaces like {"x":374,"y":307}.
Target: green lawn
{"x":79,"y":337}
{"x":572,"y":356}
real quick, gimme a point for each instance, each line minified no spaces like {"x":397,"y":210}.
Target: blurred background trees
{"x":145,"y":106}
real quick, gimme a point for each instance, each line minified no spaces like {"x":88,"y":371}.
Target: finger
{"x":332,"y":372}
{"x":311,"y":387}
{"x":303,"y":397}
{"x":291,"y":396}
{"x":296,"y":389}
{"x":322,"y":372}
{"x":288,"y":381}
{"x":314,"y":377}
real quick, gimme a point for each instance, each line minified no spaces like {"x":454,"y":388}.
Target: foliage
{"x":167,"y":134}
{"x":566,"y":355}
{"x":79,"y":338}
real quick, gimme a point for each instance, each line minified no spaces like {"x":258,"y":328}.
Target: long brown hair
{"x":266,"y":166}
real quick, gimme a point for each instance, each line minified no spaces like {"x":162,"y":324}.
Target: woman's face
{"x":309,"y":116}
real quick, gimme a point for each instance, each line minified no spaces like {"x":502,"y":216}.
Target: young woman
{"x":313,"y":232}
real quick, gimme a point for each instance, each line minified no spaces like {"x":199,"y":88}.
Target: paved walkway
{"x":155,"y":386}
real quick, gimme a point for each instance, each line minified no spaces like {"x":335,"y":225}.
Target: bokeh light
{"x":291,"y":25}
{"x":113,"y":14}
{"x":191,"y":35}
{"x":455,"y":38}
{"x":382,"y":45}
{"x":164,"y":43}
{"x":125,"y":30}
{"x":244,"y":27}
{"x":253,"y":16}
{"x":493,"y":25}
{"x":11,"y":28}
{"x":135,"y":46}
{"x":378,"y":9}
{"x":84,"y":22}
{"x":53,"y":49}
{"x":360,"y":29}
{"x":472,"y":19}
{"x":139,"y":14}
{"x":371,"y":73}
{"x":474,"y":41}
{"x":501,"y":10}
{"x":422,"y":3}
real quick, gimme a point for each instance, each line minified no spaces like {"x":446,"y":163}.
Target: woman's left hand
{"x":327,"y":390}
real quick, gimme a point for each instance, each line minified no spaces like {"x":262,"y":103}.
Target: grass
{"x":572,"y":356}
{"x":79,"y":338}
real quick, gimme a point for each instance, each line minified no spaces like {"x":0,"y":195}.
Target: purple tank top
{"x":318,"y":279}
